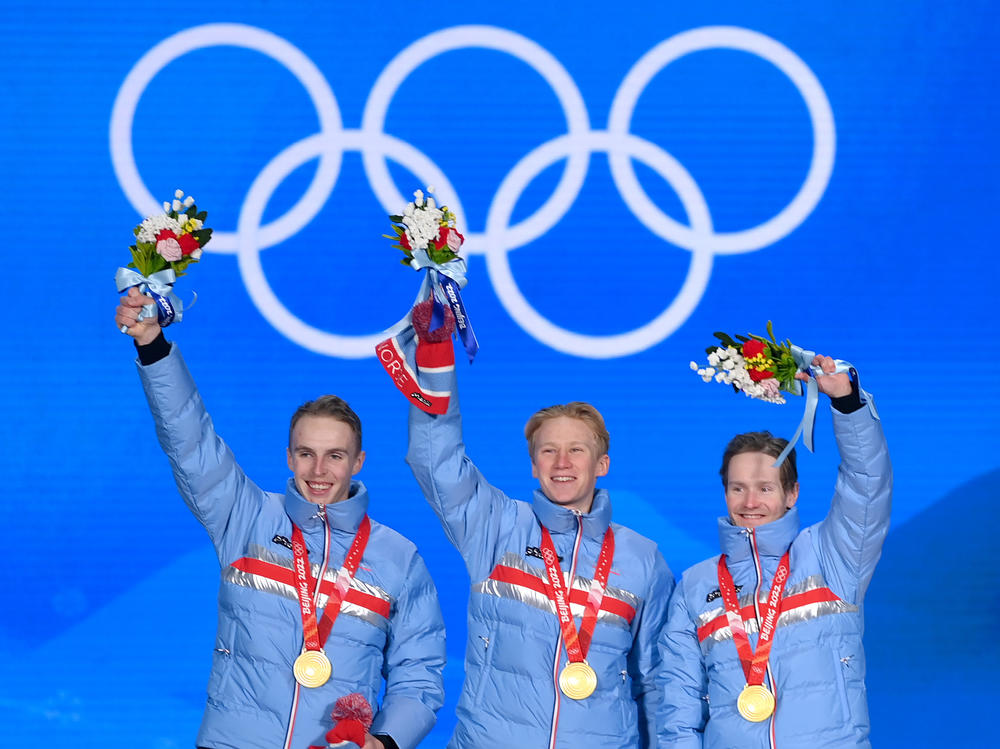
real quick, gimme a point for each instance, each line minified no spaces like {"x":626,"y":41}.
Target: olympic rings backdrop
{"x":630,"y":177}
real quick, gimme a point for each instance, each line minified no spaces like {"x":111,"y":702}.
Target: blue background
{"x":109,"y":584}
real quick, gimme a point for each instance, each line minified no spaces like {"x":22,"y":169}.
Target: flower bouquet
{"x":418,"y":353}
{"x":424,"y":226}
{"x":756,"y":366}
{"x":764,"y":368}
{"x":166,"y":244}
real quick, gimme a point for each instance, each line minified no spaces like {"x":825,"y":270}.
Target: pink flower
{"x":450,"y":238}
{"x":454,"y":240}
{"x":168,"y":246}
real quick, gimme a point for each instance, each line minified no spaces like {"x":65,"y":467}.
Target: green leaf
{"x":396,"y":219}
{"x":200,"y":216}
{"x":726,"y":340}
{"x":770,"y":331}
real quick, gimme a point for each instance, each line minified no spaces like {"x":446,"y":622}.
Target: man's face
{"x":754,"y":494}
{"x":566,"y":462}
{"x":323,"y":457}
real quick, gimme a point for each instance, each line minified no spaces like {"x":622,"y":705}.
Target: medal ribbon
{"x":577,"y":644}
{"x":754,"y":663}
{"x":315,"y":635}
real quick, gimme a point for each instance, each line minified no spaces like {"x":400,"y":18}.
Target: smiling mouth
{"x":316,"y":487}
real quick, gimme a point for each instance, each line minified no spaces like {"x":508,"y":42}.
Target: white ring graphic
{"x":220,"y":35}
{"x":498,"y":237}
{"x":601,"y":347}
{"x":820,"y":113}
{"x":522,"y":48}
{"x":248,"y":253}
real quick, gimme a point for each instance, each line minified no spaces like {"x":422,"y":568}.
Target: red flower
{"x":165,"y":234}
{"x":188,"y":243}
{"x":755,"y":353}
{"x":405,"y":241}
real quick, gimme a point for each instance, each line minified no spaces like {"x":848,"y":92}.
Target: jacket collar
{"x":344,"y":516}
{"x":559,"y":519}
{"x":773,"y":539}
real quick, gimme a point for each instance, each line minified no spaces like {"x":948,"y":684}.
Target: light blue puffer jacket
{"x":514,"y":650}
{"x":817,"y":663}
{"x":390,"y":624}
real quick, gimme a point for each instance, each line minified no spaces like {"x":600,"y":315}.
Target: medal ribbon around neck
{"x":577,"y":645}
{"x":754,"y":663}
{"x":314,"y":636}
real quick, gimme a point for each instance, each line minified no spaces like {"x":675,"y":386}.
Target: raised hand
{"x":127,"y":316}
{"x":834,"y":384}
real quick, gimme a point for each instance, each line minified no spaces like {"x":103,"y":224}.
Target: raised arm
{"x":474,"y":514}
{"x":209,"y":479}
{"x":849,"y":541}
{"x":414,"y":659}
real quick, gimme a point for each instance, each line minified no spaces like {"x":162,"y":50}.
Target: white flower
{"x":188,"y":201}
{"x":153,"y":225}
{"x":178,"y":193}
{"x":694,"y":366}
{"x":176,"y":205}
{"x":166,"y":207}
{"x":430,"y":203}
{"x":430,"y":188}
{"x":197,"y":254}
{"x":713,"y":358}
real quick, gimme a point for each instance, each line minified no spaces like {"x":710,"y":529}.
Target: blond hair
{"x":576,"y":410}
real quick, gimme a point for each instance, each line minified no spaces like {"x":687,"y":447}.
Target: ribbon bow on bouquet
{"x":763,"y":368}
{"x":427,"y":236}
{"x":165,"y":245}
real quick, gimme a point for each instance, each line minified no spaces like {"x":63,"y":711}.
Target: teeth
{"x":562,"y":478}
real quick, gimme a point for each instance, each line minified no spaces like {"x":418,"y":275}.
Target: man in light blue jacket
{"x":565,"y":606}
{"x":762,"y":646}
{"x":307,"y":579}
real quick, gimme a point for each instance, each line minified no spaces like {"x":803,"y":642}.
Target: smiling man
{"x":762,"y":647}
{"x":316,"y":600}
{"x":566,"y":605}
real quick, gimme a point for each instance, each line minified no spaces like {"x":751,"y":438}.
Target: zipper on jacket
{"x":759,"y":569}
{"x":559,"y":643}
{"x":293,"y":712}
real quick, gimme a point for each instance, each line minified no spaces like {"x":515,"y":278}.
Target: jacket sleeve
{"x":474,"y":514}
{"x":210,"y":481}
{"x":682,"y":680}
{"x":644,"y":658}
{"x":414,"y":659}
{"x":849,"y":541}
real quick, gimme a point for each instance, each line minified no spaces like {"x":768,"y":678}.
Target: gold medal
{"x":312,"y":668}
{"x":578,"y":680}
{"x":755,"y":703}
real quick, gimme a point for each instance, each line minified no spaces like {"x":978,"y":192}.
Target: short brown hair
{"x":332,"y":406}
{"x":575,"y":410}
{"x":761,"y":442}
